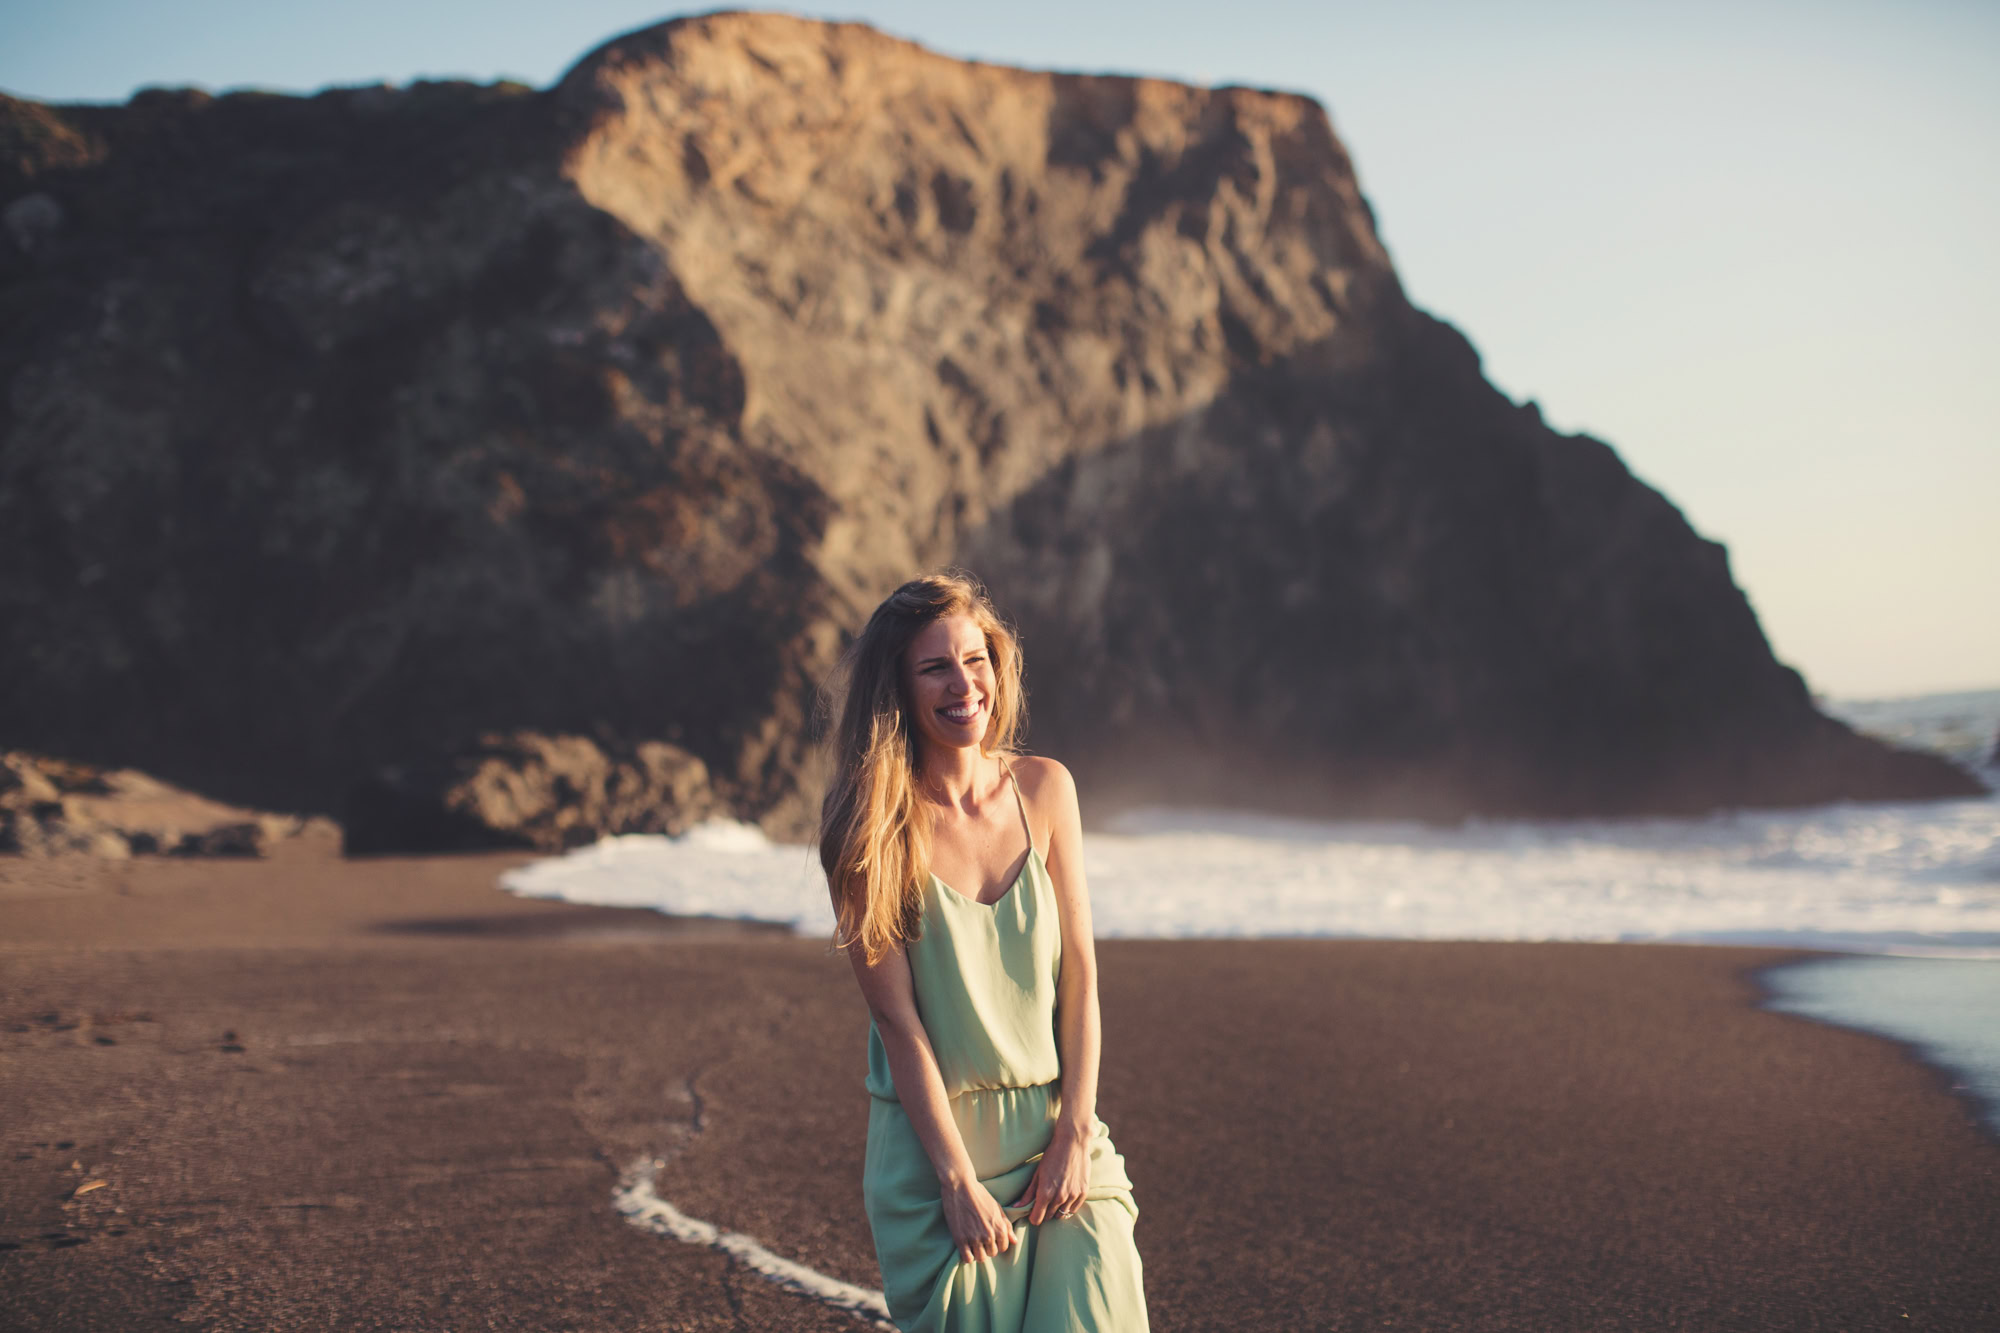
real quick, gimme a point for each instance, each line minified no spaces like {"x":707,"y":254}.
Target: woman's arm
{"x":978,"y":1226}
{"x":1064,"y":1177}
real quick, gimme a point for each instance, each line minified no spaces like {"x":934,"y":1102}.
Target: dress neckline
{"x":1021,"y":804}
{"x":963,"y":897}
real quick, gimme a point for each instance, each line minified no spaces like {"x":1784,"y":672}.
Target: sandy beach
{"x":323,"y":1094}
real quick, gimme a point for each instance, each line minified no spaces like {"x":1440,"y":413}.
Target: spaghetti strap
{"x":1022,"y":803}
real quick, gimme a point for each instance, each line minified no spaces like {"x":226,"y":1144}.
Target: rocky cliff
{"x":339,"y":429}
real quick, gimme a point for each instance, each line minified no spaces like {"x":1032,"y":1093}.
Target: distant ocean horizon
{"x":1898,"y":880}
{"x":1961,"y":725}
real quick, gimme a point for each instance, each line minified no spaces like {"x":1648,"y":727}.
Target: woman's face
{"x":949,"y":674}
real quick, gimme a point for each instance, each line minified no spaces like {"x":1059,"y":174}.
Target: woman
{"x":996,"y":1198}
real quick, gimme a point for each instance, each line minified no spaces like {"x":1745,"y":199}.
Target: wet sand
{"x":331,"y":1095}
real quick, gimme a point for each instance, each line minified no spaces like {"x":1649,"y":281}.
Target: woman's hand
{"x":978,"y":1227}
{"x":1063,"y":1177}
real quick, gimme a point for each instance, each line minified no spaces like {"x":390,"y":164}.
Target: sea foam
{"x":1885,"y":878}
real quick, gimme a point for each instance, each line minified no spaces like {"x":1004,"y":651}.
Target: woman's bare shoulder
{"x":1046,"y":784}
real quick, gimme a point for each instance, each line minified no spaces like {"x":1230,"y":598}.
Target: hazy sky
{"x":1752,"y":245}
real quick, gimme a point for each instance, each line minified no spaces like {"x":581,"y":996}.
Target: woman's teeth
{"x":961,"y":712}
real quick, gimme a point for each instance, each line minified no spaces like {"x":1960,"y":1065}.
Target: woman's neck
{"x":955,"y":778}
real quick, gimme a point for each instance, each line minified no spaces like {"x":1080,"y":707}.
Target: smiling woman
{"x":995,"y":1196}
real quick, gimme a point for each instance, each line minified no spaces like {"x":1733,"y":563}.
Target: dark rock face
{"x":340,"y":429}
{"x":1457,"y":610}
{"x":528,"y":790}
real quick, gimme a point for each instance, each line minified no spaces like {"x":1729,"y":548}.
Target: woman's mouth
{"x":960,"y":712}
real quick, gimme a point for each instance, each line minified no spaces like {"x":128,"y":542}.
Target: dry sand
{"x":334,"y":1095}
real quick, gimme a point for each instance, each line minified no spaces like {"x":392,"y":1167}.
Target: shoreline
{"x":1851,"y":991}
{"x":436,"y":1086}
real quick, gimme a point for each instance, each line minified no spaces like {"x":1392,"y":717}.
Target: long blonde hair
{"x":874,"y":841}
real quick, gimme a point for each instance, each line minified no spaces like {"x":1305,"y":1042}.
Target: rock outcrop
{"x":527,"y":790}
{"x":339,"y":429}
{"x":56,"y":807}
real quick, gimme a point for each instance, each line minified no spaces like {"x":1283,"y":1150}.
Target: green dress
{"x":985,"y":978}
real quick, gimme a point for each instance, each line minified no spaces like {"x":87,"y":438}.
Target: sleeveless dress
{"x":985,"y":977}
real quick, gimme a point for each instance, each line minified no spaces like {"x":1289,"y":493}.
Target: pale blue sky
{"x":1752,"y":245}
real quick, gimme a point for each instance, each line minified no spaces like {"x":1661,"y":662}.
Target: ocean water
{"x":1915,"y":878}
{"x":1963,"y":726}
{"x":1946,"y":1010}
{"x":1916,"y":885}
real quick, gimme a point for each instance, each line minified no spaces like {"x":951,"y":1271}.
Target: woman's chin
{"x":966,"y":736}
